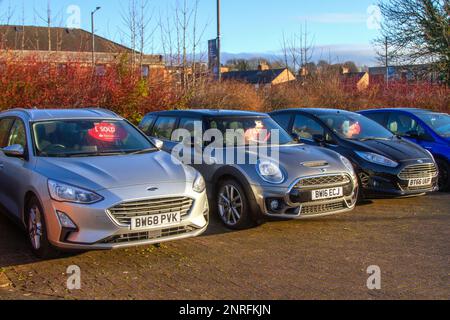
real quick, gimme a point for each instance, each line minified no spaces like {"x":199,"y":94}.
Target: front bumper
{"x":301,"y":206}
{"x":98,"y":229}
{"x":377,"y":181}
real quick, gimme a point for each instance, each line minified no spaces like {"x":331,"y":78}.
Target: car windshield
{"x":245,"y":131}
{"x":84,"y":138}
{"x":439,"y":122}
{"x":353,"y":126}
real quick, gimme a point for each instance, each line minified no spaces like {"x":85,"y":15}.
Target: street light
{"x":219,"y":71}
{"x":93,"y":34}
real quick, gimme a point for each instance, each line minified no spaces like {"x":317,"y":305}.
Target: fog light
{"x":275,"y":205}
{"x":65,"y":221}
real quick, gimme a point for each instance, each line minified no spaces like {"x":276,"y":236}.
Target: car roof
{"x":50,"y":114}
{"x":210,"y":113}
{"x":314,"y":111}
{"x":409,"y":110}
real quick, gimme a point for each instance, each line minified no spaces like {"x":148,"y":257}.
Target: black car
{"x":387,"y":165}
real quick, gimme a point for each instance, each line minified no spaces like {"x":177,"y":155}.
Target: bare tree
{"x":418,"y":31}
{"x":137,"y":18}
{"x":6,"y":17}
{"x":181,"y":39}
{"x":298,"y":49}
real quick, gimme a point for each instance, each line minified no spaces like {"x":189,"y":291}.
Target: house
{"x":358,"y":80}
{"x":263,"y":77}
{"x":419,"y":72}
{"x":63,"y":45}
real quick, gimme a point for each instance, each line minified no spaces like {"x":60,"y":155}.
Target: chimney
{"x":304,"y":72}
{"x":263,"y":66}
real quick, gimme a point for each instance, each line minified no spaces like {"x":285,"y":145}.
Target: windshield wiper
{"x":143,"y":151}
{"x":374,"y":138}
{"x":94,"y":154}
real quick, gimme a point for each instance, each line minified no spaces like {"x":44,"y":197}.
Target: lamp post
{"x":219,"y":71}
{"x":93,"y":34}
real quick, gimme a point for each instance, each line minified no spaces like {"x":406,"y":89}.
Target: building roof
{"x":410,"y":67}
{"x":49,"y":114}
{"x":354,"y":75}
{"x":254,"y":76}
{"x":211,"y":113}
{"x":32,"y":38}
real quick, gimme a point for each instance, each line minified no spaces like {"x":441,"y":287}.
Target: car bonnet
{"x":98,"y":173}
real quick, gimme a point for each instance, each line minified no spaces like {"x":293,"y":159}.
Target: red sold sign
{"x":107,"y":132}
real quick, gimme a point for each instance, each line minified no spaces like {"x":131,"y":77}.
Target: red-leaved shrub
{"x":120,"y":88}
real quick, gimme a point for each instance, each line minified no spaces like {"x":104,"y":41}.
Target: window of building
{"x":100,"y":70}
{"x":145,"y":71}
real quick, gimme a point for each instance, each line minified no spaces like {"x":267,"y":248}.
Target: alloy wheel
{"x":35,"y":227}
{"x":230,"y":205}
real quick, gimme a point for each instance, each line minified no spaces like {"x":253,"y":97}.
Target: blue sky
{"x":339,"y":27}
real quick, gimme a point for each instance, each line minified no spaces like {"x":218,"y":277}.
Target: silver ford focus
{"x":88,"y":179}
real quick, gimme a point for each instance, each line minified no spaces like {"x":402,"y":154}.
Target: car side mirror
{"x":14,"y":151}
{"x":159,"y":144}
{"x":318,"y":138}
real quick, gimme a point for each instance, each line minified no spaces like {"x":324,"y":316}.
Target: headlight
{"x":378,"y":159}
{"x":347,"y":164}
{"x":270,"y":171}
{"x":199,"y":184}
{"x":67,"y":193}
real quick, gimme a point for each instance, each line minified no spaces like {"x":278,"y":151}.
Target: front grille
{"x":123,"y":212}
{"x":323,"y":181}
{"x":149,"y":235}
{"x":419,"y":171}
{"x":317,"y":209}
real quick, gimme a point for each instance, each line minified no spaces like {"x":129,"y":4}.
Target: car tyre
{"x":37,"y":231}
{"x":444,"y":178}
{"x":232,"y":205}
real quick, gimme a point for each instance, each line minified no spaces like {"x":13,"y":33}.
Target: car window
{"x":283,"y":119}
{"x":17,"y":134}
{"x":5,"y":126}
{"x":404,"y":125}
{"x":244,"y":131}
{"x":190,"y":124}
{"x":147,"y":123}
{"x":439,"y":122}
{"x":379,"y":117}
{"x":306,"y":127}
{"x":164,"y":127}
{"x":85,"y":137}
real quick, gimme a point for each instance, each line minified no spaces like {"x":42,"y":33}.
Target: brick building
{"x":62,"y":46}
{"x":263,"y":77}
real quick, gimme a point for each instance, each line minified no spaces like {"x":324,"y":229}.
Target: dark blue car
{"x":429,"y":129}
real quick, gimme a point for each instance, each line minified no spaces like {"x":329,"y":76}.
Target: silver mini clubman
{"x":253,"y":168}
{"x":88,"y":179}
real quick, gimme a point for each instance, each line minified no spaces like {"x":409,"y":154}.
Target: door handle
{"x":1,"y":166}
